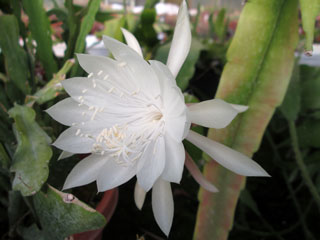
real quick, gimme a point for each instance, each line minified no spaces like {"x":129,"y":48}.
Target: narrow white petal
{"x":227,"y":157}
{"x":164,"y":73}
{"x":68,"y":112}
{"x":132,"y":41}
{"x":65,"y":154}
{"x":72,"y":142}
{"x":153,"y":164}
{"x":86,"y":171}
{"x":113,"y":174}
{"x":181,"y":41}
{"x":94,"y":96}
{"x":139,"y":196}
{"x":134,"y":66}
{"x":198,"y":176}
{"x":162,"y":205}
{"x":111,"y":71}
{"x":175,"y":156}
{"x":214,"y":113}
{"x":240,"y":108}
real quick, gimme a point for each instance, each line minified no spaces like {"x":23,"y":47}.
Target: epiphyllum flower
{"x":131,"y":116}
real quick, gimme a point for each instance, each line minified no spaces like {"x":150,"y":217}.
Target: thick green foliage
{"x":33,"y":153}
{"x":61,"y":215}
{"x":259,"y":64}
{"x":41,"y":33}
{"x":15,"y":57}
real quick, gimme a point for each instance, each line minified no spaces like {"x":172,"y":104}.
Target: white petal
{"x":109,"y":69}
{"x":93,"y":96}
{"x":71,"y":141}
{"x":162,"y":205}
{"x":134,"y":66}
{"x":214,"y":113}
{"x":166,"y":78}
{"x":153,"y":164}
{"x":227,"y":157}
{"x":198,"y":176}
{"x":181,"y":41}
{"x":175,"y":127}
{"x":68,"y":112}
{"x":86,"y":171}
{"x":132,"y":41}
{"x":64,"y":155}
{"x":139,"y":195}
{"x":240,"y":108}
{"x":175,"y":156}
{"x":113,"y":174}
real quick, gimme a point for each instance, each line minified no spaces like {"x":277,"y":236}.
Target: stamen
{"x":90,"y":75}
{"x":111,"y":89}
{"x":84,"y":90}
{"x":100,"y":72}
{"x":122,"y":64}
{"x":94,"y":114}
{"x":105,"y":77}
{"x":78,"y":132}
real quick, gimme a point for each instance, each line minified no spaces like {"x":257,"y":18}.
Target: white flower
{"x":131,"y":116}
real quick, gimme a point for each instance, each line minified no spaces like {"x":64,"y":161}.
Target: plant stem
{"x":300,"y":163}
{"x":301,"y":214}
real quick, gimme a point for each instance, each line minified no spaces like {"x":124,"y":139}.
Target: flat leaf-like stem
{"x":260,"y":60}
{"x":33,"y":153}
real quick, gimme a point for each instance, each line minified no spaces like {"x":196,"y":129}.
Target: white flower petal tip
{"x":240,"y":108}
{"x":214,"y":113}
{"x":181,"y":41}
{"x":227,"y":157}
{"x":139,"y":196}
{"x":65,"y":155}
{"x":162,"y":205}
{"x":85,"y":172}
{"x":198,"y":176}
{"x":132,"y":41}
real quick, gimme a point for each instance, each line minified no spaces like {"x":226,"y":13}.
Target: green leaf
{"x":220,"y":27}
{"x":310,"y":90}
{"x":145,"y":31}
{"x":32,"y":233}
{"x":189,"y":66}
{"x":40,"y":28}
{"x":60,"y":217}
{"x":53,"y":88}
{"x":247,"y":199}
{"x":291,"y":104}
{"x":309,"y":133}
{"x":74,"y":28}
{"x":85,"y":28}
{"x":112,"y":28}
{"x":4,"y":158}
{"x":309,"y":11}
{"x":33,"y":153}
{"x":15,"y":57}
{"x":260,"y":60}
{"x":16,"y":208}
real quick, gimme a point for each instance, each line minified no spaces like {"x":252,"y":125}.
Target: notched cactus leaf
{"x":33,"y":153}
